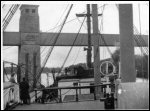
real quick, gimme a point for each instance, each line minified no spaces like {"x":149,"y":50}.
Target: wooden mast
{"x":89,"y":54}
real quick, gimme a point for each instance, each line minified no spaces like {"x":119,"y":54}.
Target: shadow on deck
{"x":82,"y":97}
{"x":86,"y":105}
{"x":86,"y":102}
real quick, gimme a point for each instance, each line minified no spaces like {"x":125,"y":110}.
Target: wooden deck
{"x":86,"y":105}
{"x":82,"y":97}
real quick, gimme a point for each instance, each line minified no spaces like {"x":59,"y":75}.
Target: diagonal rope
{"x":138,"y":40}
{"x":101,"y":36}
{"x":71,"y":47}
{"x":50,"y":51}
{"x":9,"y":15}
{"x":53,"y":29}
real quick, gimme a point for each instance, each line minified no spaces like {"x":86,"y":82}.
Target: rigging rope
{"x":3,"y":6}
{"x":65,"y":23}
{"x":9,"y":15}
{"x":77,"y":56}
{"x":55,"y":26}
{"x":138,"y":40}
{"x":102,"y":38}
{"x":72,"y":19}
{"x":80,"y":47}
{"x":8,"y":12}
{"x":54,"y":34}
{"x":48,"y":55}
{"x":139,"y":45}
{"x":52,"y":47}
{"x":71,"y":47}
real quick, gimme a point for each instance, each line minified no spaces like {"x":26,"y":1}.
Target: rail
{"x":72,"y":87}
{"x":11,"y":95}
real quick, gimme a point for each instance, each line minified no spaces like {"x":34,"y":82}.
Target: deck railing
{"x":11,"y":95}
{"x":73,"y":87}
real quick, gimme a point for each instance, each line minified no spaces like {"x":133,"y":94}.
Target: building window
{"x":27,"y":10}
{"x":33,"y":10}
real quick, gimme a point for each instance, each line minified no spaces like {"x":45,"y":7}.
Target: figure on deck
{"x":24,"y":92}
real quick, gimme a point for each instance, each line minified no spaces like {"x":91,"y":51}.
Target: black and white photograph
{"x":74,"y":55}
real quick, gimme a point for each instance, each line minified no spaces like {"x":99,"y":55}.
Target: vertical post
{"x":94,"y":93}
{"x":3,"y":72}
{"x":35,"y":95}
{"x":26,"y":61}
{"x":97,"y":76}
{"x":141,"y":47}
{"x":126,"y":43}
{"x":79,"y":89}
{"x":12,"y":68}
{"x":34,"y":70}
{"x":47,"y":79}
{"x":18,"y":73}
{"x":77,"y":95}
{"x":119,"y":71}
{"x":89,"y":54}
{"x":60,"y":100}
{"x":53,"y":74}
{"x":107,"y":68}
{"x":89,"y":37}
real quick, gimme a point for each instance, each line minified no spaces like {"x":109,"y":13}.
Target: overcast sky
{"x":49,"y":16}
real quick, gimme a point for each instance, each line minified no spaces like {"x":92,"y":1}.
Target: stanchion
{"x":60,"y":100}
{"x":35,"y":95}
{"x":77,"y":99}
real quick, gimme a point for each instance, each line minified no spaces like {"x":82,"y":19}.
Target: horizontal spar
{"x":65,"y":39}
{"x":11,"y":38}
{"x":74,"y":87}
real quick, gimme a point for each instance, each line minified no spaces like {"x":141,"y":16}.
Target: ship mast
{"x":89,"y":49}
